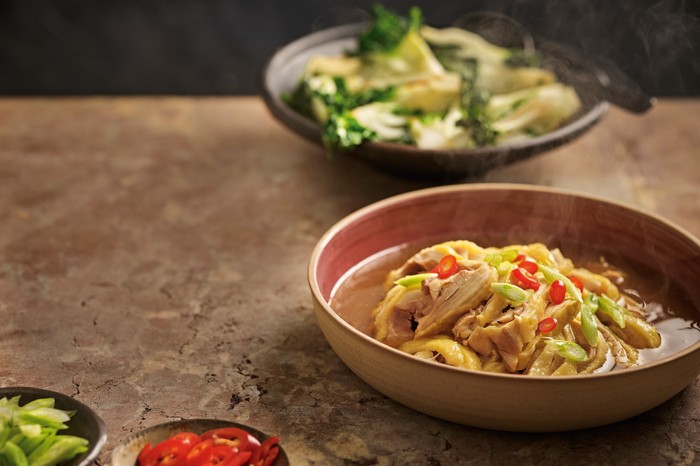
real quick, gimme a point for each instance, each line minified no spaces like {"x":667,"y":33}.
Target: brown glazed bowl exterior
{"x":527,"y":214}
{"x":126,"y":453}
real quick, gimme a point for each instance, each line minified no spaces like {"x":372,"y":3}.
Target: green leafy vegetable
{"x":519,"y":57}
{"x":343,"y":131}
{"x":387,"y":30}
{"x":331,"y":97}
{"x":474,"y":103}
{"x":452,"y":89}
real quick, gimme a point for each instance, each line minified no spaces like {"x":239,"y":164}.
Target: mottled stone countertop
{"x":153,"y":256}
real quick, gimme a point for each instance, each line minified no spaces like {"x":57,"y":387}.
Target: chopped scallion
{"x":512,"y":293}
{"x":568,"y":350}
{"x":551,"y":275}
{"x":609,"y":307}
{"x":410,"y":280}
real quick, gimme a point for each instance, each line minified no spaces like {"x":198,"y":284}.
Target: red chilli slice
{"x":557,"y":292}
{"x":578,"y":283}
{"x":526,"y":279}
{"x":547,"y":324}
{"x":529,"y":266}
{"x":447,"y":266}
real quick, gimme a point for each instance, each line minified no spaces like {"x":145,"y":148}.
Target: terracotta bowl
{"x":500,"y":213}
{"x":127,"y":451}
{"x":84,"y":423}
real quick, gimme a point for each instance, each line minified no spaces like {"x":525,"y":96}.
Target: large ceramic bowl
{"x":487,"y":213}
{"x":126,"y":452}
{"x":284,"y":69}
{"x":84,"y":423}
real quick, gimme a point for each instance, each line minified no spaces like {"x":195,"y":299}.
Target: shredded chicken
{"x":482,"y":314}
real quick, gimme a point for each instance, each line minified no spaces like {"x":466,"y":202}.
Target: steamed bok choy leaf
{"x":442,"y":89}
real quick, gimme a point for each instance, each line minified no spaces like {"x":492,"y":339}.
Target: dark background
{"x":78,"y":47}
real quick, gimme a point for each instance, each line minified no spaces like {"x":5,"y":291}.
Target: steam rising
{"x":648,"y":44}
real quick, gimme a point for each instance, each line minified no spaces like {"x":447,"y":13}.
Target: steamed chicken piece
{"x":446,"y":349}
{"x":512,"y":338}
{"x":394,"y":317}
{"x":625,"y":354}
{"x":429,"y":257}
{"x":471,"y":314}
{"x":456,"y":295}
{"x":637,"y":332}
{"x":597,"y":283}
{"x":433,"y":308}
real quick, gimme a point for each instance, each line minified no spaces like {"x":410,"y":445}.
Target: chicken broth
{"x":669,"y":308}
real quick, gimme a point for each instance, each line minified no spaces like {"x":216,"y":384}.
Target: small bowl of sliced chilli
{"x":195,"y":434}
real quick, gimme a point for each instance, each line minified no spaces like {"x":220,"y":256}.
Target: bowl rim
{"x":428,"y":192}
{"x":94,"y":452}
{"x":310,"y":130}
{"x":189,"y":420}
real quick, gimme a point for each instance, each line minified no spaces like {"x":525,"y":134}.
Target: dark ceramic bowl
{"x":127,"y":451}
{"x":497,"y":215}
{"x":85,"y":423}
{"x":284,"y":69}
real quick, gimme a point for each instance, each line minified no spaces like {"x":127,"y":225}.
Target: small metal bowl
{"x":126,"y":452}
{"x":85,"y":423}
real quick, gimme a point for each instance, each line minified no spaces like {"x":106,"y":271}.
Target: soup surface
{"x":668,"y":307}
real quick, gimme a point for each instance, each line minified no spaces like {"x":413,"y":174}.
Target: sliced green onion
{"x":591,"y":300}
{"x":63,"y":448}
{"x":493,"y":259}
{"x":28,"y":445}
{"x":569,"y":350}
{"x":509,"y":255}
{"x":5,"y":414}
{"x":28,"y":434}
{"x":50,"y":417}
{"x":589,"y":326}
{"x":41,"y":448}
{"x":551,"y":275}
{"x":11,"y":402}
{"x":504,"y":268}
{"x":609,"y":307}
{"x":40,"y":403}
{"x":11,"y":454}
{"x":511,"y":292}
{"x":30,"y":430}
{"x":410,"y":280}
{"x":4,"y":433}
